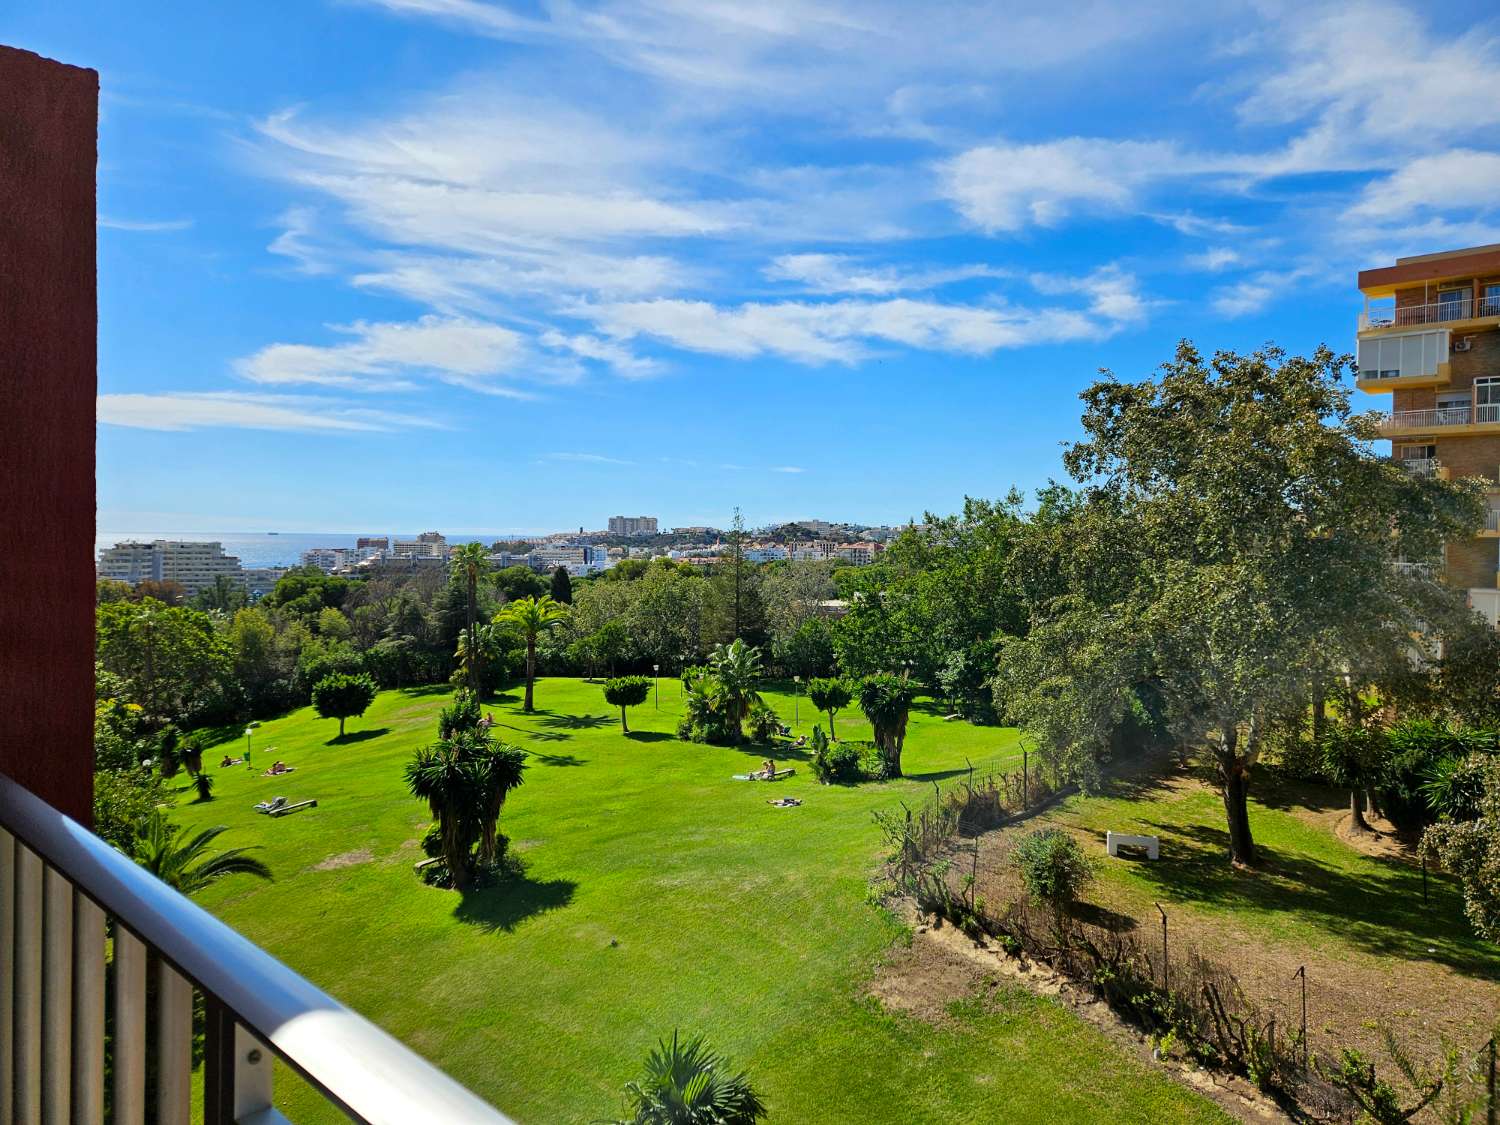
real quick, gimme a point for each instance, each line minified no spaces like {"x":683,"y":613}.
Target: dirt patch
{"x":925,"y":978}
{"x":345,"y":859}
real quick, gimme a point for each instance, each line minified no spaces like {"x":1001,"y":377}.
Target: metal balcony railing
{"x":1429,"y":419}
{"x":1492,"y":520}
{"x":1436,"y":312}
{"x":1415,"y":569}
{"x":1419,"y":466}
{"x":62,"y":889}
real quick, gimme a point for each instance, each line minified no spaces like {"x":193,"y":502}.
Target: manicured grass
{"x":658,"y":893}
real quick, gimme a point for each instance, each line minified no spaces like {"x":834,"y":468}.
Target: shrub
{"x":341,"y":697}
{"x":845,"y":762}
{"x":763,"y":724}
{"x":205,"y":786}
{"x":432,"y":841}
{"x":1053,"y":867}
{"x":627,"y":691}
{"x":688,"y":1082}
{"x":829,"y":695}
{"x":460,"y":715}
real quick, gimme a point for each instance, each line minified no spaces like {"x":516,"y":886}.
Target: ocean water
{"x":261,"y":548}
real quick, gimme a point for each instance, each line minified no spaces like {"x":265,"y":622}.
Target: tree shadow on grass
{"x":558,"y":759}
{"x":513,"y":899}
{"x":941,"y":775}
{"x":1103,"y":917}
{"x":578,"y":722}
{"x":536,"y":735}
{"x":1284,"y":794}
{"x":356,"y":736}
{"x":1378,"y":910}
{"x":418,"y":690}
{"x":776,"y":751}
{"x":648,"y":736}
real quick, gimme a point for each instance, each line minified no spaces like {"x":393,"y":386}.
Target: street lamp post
{"x":656,"y":671}
{"x":797,"y":701}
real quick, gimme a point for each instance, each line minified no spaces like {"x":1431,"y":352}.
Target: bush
{"x":845,"y":762}
{"x":205,"y":786}
{"x":1053,"y":867}
{"x":763,"y":724}
{"x":627,"y":691}
{"x":460,"y":715}
{"x":432,"y":841}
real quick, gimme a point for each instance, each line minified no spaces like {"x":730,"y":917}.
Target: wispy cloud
{"x":144,"y":226}
{"x":587,"y":458}
{"x":787,"y":469}
{"x":841,"y":273}
{"x":186,"y":410}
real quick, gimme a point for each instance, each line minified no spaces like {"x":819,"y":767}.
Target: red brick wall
{"x":48,"y":321}
{"x":1472,"y":563}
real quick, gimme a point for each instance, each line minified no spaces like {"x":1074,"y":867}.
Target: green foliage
{"x":170,"y":658}
{"x":1052,"y":866}
{"x":808,"y":651}
{"x":763,"y":724}
{"x":516,"y":582}
{"x":1471,"y":850}
{"x":886,"y":700}
{"x":124,"y":802}
{"x":836,"y":763}
{"x":460,"y":716}
{"x":204,"y":785}
{"x":689,"y":1084}
{"x":830,"y":695}
{"x":529,"y":618}
{"x":627,"y":691}
{"x":465,"y":781}
{"x":341,"y":697}
{"x":306,"y":591}
{"x":1380,"y":1101}
{"x":182,"y":862}
{"x":562,"y":586}
{"x":1454,"y":787}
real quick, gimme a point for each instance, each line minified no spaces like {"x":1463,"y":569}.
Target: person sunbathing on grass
{"x":768,"y":769}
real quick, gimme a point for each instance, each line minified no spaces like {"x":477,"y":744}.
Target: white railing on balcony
{"x":1419,"y":466}
{"x":62,"y":890}
{"x":1429,"y":419}
{"x":1415,"y":569}
{"x":1387,"y":315}
{"x":1492,"y":520}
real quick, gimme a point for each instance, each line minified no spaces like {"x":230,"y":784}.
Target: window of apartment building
{"x":1453,"y":301}
{"x":1407,"y":353}
{"x":1487,"y":398}
{"x":1416,"y":452}
{"x":1454,"y":406}
{"x":1490,"y":305}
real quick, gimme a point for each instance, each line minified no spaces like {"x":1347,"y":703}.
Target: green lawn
{"x":658,"y":893}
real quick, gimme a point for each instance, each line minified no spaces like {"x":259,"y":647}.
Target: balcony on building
{"x":1455,"y":291}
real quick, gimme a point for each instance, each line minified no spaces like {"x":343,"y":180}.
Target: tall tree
{"x":562,"y":586}
{"x":830,"y":695}
{"x":736,"y":670}
{"x":531,"y":617}
{"x":1243,"y":531}
{"x":173,"y":661}
{"x":886,"y":701}
{"x":470,"y":561}
{"x":342,"y":696}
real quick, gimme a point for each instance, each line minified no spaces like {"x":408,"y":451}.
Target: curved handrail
{"x":367,"y":1072}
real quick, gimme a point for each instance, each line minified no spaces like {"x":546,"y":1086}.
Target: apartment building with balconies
{"x":1430,"y":337}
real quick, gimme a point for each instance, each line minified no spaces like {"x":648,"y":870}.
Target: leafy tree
{"x":886,"y":701}
{"x":1471,"y":850}
{"x":1355,"y":758}
{"x":181,"y":861}
{"x":470,"y":564}
{"x":808,"y":651}
{"x":515,"y":582}
{"x":562,"y":586}
{"x":168,"y":591}
{"x":627,"y":691}
{"x":305,"y":591}
{"x":531,"y":617}
{"x":792,"y":593}
{"x":1053,"y":867}
{"x":171,"y":658}
{"x":111,"y":590}
{"x":737,"y":671}
{"x":1237,"y":525}
{"x":124,"y":801}
{"x":224,"y":596}
{"x":829,"y":695}
{"x":689,"y":1084}
{"x":341,"y":696}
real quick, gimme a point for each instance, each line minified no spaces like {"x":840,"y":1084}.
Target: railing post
{"x":130,"y":1029}
{"x":237,"y":1069}
{"x":27,"y":1108}
{"x":8,"y":922}
{"x":57,"y":999}
{"x":88,"y":1012}
{"x":253,"y":1074}
{"x":174,"y":1046}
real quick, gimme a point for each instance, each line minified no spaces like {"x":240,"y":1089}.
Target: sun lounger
{"x":760,"y":776}
{"x":271,"y":806}
{"x":784,"y":802}
{"x":278,"y":773}
{"x":293,"y":808}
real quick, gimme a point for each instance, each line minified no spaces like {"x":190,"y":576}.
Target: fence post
{"x":1424,"y":876}
{"x":1302,"y":972}
{"x":1025,"y":781}
{"x":1164,"y":978}
{"x":1490,"y":1112}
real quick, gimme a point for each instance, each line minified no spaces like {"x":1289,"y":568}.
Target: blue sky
{"x":477,"y":265}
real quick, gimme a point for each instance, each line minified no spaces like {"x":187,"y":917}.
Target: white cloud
{"x":843,"y":331}
{"x":840,"y":273}
{"x":587,"y":458}
{"x":787,"y":469}
{"x":393,"y":356}
{"x":1242,"y":299}
{"x":177,"y":411}
{"x":1461,"y":180}
{"x":611,"y":352}
{"x":1113,"y":293}
{"x":145,"y":226}
{"x":1213,"y":259}
{"x":298,"y":242}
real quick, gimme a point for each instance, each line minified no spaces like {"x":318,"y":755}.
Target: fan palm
{"x":886,"y":700}
{"x":531,"y":617}
{"x":738,"y":670}
{"x":471,"y":561}
{"x":689,"y":1084}
{"x":182,"y":862}
{"x":453,"y":785}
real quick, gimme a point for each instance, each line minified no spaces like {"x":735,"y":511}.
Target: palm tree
{"x":465,"y":780}
{"x":472,"y":561}
{"x":886,"y":700}
{"x":181,"y":862}
{"x":738,"y":670}
{"x":504,"y":770}
{"x":689,"y":1084}
{"x":532,"y":616}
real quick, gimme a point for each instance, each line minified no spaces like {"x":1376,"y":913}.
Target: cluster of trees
{"x":465,"y":777}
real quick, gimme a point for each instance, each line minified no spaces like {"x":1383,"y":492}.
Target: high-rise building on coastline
{"x":192,"y":565}
{"x":1428,"y":337}
{"x":632,"y":525}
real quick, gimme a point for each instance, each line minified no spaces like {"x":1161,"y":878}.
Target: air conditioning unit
{"x":1463,"y":345}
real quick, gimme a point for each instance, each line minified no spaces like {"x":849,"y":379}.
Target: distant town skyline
{"x":464,"y":264}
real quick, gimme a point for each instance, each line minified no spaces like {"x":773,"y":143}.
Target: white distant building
{"x":324,"y":558}
{"x":261,"y":580}
{"x":192,"y":565}
{"x":428,"y":545}
{"x":765,"y":552}
{"x":632,"y":525}
{"x":578,"y":560}
{"x":860,"y":554}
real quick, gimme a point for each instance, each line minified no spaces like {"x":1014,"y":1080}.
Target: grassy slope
{"x":748,"y":923}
